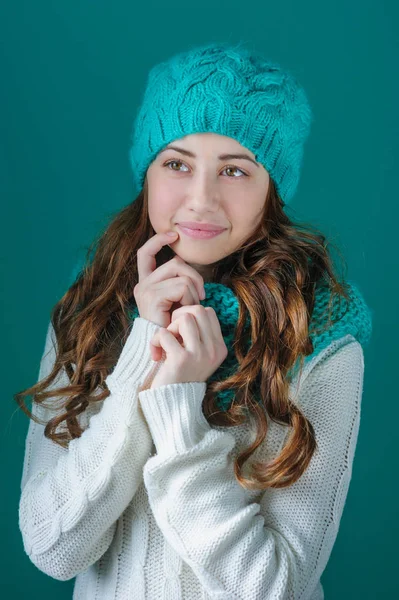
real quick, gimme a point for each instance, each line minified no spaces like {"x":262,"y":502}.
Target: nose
{"x":203,"y":195}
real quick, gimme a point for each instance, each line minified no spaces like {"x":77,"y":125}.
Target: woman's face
{"x":197,"y":183}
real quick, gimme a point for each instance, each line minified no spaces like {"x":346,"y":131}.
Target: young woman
{"x":195,"y":421}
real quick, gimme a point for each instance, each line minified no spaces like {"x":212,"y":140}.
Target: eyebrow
{"x":221,"y":156}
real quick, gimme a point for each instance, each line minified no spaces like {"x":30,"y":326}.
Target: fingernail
{"x":203,"y":294}
{"x":171,"y":233}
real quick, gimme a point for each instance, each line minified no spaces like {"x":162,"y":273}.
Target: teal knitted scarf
{"x":353,"y":317}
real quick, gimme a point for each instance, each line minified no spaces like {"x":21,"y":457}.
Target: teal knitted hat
{"x":229,"y":90}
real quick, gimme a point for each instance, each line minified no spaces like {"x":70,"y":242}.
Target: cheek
{"x":244,"y":216}
{"x":162,"y":205}
{"x":239,"y":213}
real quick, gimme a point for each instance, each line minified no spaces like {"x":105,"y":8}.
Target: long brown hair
{"x":273,"y":275}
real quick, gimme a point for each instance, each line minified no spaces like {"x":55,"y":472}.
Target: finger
{"x":168,"y":342}
{"x":178,"y":312}
{"x":200,"y":313}
{"x":189,"y":331}
{"x":206,"y":320}
{"x":214,"y":322}
{"x":179,"y":289}
{"x":156,"y":346}
{"x":146,"y":262}
{"x":155,"y":340}
{"x":174,"y":328}
{"x":156,"y":352}
{"x":176,"y":267}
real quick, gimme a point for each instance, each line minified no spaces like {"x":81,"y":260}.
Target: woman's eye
{"x":230,"y":168}
{"x":236,"y":169}
{"x":175,"y":162}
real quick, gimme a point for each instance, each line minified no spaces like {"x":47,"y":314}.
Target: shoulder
{"x":341,"y":354}
{"x":330,"y":389}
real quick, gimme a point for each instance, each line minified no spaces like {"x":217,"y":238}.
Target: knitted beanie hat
{"x":228,"y":90}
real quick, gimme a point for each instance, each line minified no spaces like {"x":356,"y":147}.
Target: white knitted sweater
{"x":145,"y":504}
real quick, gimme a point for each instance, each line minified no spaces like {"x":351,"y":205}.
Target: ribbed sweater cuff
{"x":174,"y":416}
{"x":135,"y":363}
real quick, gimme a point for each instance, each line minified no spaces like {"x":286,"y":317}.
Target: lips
{"x":201,"y":226}
{"x":199,"y":234}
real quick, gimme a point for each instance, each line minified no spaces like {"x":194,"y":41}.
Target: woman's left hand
{"x":201,"y":352}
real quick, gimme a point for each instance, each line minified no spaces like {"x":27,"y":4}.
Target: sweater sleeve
{"x":72,"y":498}
{"x":277,"y":547}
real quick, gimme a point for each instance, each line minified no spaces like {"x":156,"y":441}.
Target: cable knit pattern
{"x":249,"y":545}
{"x":145,"y":503}
{"x":229,"y":90}
{"x":66,"y":493}
{"x":173,"y":522}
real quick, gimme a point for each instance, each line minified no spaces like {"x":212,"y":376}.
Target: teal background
{"x":72,"y":76}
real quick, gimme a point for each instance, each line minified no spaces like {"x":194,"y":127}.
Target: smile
{"x":199,"y":233}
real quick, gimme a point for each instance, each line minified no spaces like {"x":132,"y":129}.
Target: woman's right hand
{"x":159,"y":288}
